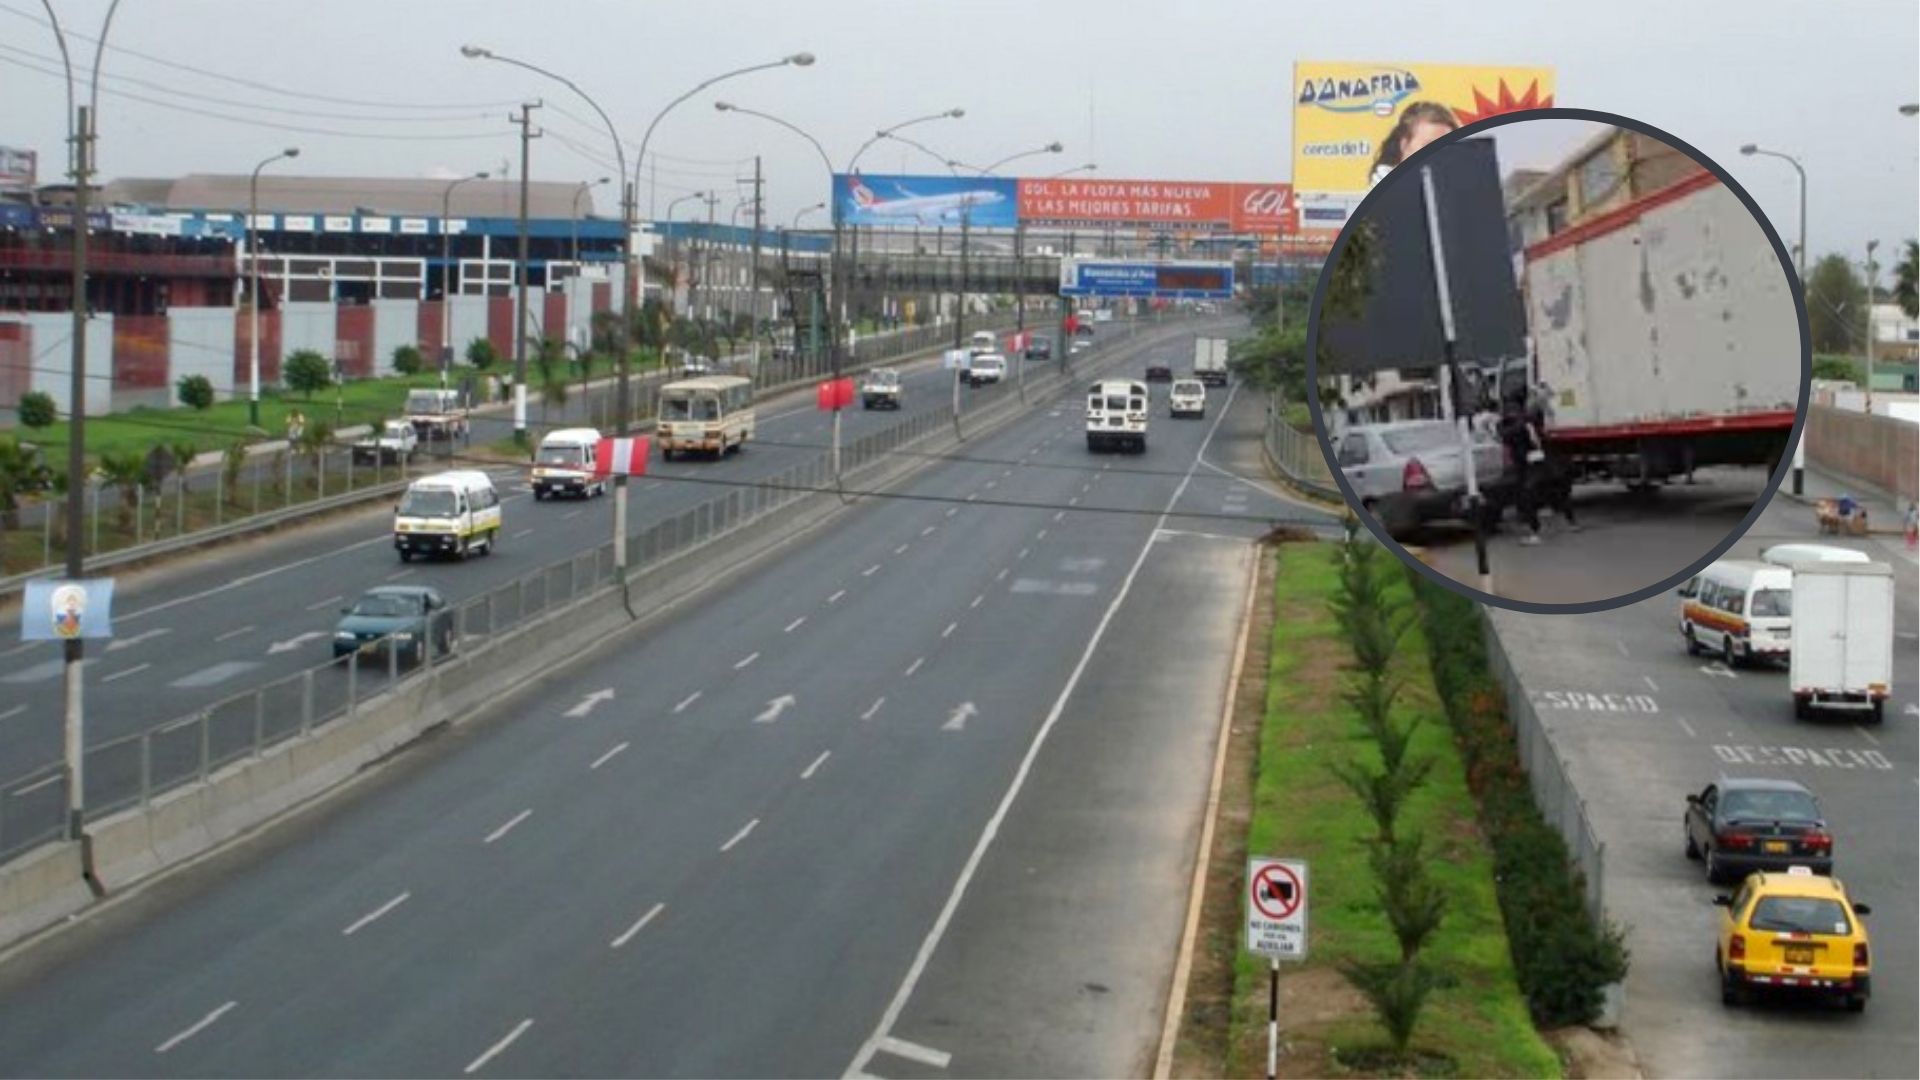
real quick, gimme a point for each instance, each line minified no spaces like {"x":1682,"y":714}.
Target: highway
{"x":191,"y":633}
{"x":1641,"y":725}
{"x":918,"y":798}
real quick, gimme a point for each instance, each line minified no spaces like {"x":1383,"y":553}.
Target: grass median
{"x":1479,"y":1026}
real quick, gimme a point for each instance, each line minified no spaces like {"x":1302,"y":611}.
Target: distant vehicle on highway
{"x":695,"y":366}
{"x":1210,"y":360}
{"x":712,"y":415}
{"x":1187,"y":397}
{"x":1409,"y":472}
{"x":396,"y":441}
{"x":1080,"y":345}
{"x":1793,"y":932}
{"x":880,"y":389}
{"x":986,"y":368}
{"x":1160,"y":370}
{"x":437,"y":414}
{"x":983,"y":342}
{"x":1739,"y":826}
{"x":1040,"y":348}
{"x":1741,"y":609}
{"x":1117,"y":416}
{"x":449,"y":513}
{"x":407,"y":619}
{"x":1841,"y":642}
{"x":564,"y":464}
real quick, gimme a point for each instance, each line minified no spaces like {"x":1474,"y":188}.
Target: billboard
{"x":1352,"y":122}
{"x":1173,"y":280}
{"x":985,"y":202}
{"x":1179,"y":204}
{"x":17,"y":169}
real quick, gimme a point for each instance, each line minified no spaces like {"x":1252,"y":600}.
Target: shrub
{"x":232,"y":460}
{"x":194,"y":391}
{"x":1410,"y":900}
{"x":1397,"y":992}
{"x":481,"y":353}
{"x":307,"y":371}
{"x":36,"y":409}
{"x":407,"y":360}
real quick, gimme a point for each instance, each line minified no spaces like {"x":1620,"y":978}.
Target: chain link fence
{"x":1297,"y":453}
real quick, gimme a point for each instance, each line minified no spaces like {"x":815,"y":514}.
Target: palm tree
{"x":1906,"y":283}
{"x":183,"y":452}
{"x":549,"y":357}
{"x":21,"y":470}
{"x":127,"y":472}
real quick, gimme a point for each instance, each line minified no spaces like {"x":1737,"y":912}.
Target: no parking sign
{"x":1277,"y":908}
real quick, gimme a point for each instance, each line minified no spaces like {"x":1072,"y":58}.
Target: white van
{"x":1117,"y":416}
{"x":448,"y":513}
{"x":1739,"y":608}
{"x":983,"y":341}
{"x":1187,"y":397}
{"x":564,"y":463}
{"x":1789,"y":554}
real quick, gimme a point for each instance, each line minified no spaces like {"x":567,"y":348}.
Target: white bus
{"x":713,"y":415}
{"x":1117,"y":416}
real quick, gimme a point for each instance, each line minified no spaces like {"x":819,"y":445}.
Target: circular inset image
{"x":1559,"y":359}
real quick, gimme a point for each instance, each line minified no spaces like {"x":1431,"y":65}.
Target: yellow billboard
{"x":1353,"y":122}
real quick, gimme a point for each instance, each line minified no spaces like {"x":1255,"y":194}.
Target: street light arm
{"x":619,"y":150}
{"x":641,"y":161}
{"x":953,"y":114}
{"x":99,"y":50}
{"x":66,"y":60}
{"x":821,"y":150}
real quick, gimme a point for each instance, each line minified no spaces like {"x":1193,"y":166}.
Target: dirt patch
{"x":1589,"y":1055}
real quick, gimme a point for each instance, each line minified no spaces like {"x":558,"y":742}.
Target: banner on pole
{"x":622,"y":457}
{"x":65,"y":610}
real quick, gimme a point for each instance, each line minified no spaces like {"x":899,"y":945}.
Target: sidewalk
{"x":1886,"y":520}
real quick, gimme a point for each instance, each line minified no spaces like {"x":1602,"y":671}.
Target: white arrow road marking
{"x":195,"y":1029}
{"x":494,"y":1050}
{"x":375,"y":913}
{"x":957,"y":720}
{"x":588,"y":703}
{"x":638,"y":926}
{"x":144,"y":635}
{"x":293,"y":643}
{"x":775,"y":708}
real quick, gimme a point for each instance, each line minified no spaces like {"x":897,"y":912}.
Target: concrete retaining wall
{"x":1880,"y":450}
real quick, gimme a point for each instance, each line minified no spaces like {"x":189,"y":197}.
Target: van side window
{"x":1737,"y":602}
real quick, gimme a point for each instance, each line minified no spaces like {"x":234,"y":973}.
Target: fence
{"x":1297,"y":454}
{"x":1553,"y":791}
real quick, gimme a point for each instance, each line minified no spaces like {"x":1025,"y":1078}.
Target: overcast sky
{"x":1195,"y":91}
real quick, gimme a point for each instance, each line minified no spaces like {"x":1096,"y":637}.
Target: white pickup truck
{"x":396,"y":441}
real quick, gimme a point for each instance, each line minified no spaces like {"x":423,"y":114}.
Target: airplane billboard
{"x":985,"y":202}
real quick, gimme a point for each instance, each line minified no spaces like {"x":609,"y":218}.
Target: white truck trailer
{"x":1664,"y":334}
{"x":1210,"y":360}
{"x":1842,"y":638}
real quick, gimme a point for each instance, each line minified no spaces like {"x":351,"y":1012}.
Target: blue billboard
{"x":1175,"y":281}
{"x":984,"y":202}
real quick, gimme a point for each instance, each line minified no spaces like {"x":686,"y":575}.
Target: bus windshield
{"x":689,"y":407}
{"x":430,"y":503}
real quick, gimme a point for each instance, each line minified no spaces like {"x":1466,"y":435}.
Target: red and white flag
{"x":622,"y":457}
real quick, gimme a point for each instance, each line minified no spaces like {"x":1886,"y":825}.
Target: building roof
{"x":282,"y":193}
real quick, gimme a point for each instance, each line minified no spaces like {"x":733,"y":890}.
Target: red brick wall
{"x":427,"y":330}
{"x":139,"y":352}
{"x":269,"y":348}
{"x":500,"y":324}
{"x":1878,"y":449}
{"x":16,"y":362}
{"x":553,"y":317}
{"x":353,"y":340}
{"x":602,"y":296}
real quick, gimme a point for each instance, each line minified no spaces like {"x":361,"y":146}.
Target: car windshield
{"x":1188,"y":388}
{"x":429,"y":503}
{"x":1801,"y":915}
{"x":1774,"y":602}
{"x":1768,"y":805}
{"x":883,"y":378}
{"x":387,"y":606}
{"x":565,"y":455}
{"x":1424,"y":437}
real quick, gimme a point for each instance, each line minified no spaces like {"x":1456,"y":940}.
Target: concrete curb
{"x":44,"y":887}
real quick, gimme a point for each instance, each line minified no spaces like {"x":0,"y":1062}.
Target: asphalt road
{"x":918,"y":798}
{"x":190,"y":634}
{"x":1675,"y":723}
{"x":1627,"y":540}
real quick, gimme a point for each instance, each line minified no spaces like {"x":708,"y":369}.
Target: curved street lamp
{"x":446,"y":274}
{"x":585,"y":186}
{"x":1750,"y":149}
{"x":253,"y":288}
{"x":954,"y":113}
{"x":805,"y":210}
{"x":1088,"y":167}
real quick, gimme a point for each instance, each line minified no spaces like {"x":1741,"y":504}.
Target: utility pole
{"x":1871,"y":244}
{"x":527,"y":135}
{"x":75,"y":649}
{"x":960,"y":309}
{"x":753,"y":275}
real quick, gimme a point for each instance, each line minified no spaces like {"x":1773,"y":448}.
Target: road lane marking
{"x":739,"y":836}
{"x":1041,"y":535}
{"x":951,"y":627}
{"x":1870,"y":738}
{"x":196,"y":1029}
{"x":1622,"y":646}
{"x":1002,"y":575}
{"x":375,"y":913}
{"x":508,"y":827}
{"x":37,"y":785}
{"x":744,"y":661}
{"x":231,"y":634}
{"x":915,"y":666}
{"x":248,"y":579}
{"x":495,"y":1050}
{"x":928,"y":531}
{"x":973,"y":497}
{"x":884,"y":1029}
{"x":1651,"y":685}
{"x":952,"y":510}
{"x":902,"y":549}
{"x":991,"y":484}
{"x":1686,"y":727}
{"x":817,"y":762}
{"x":574,"y":513}
{"x":328,"y":602}
{"x":638,"y":926}
{"x":522,"y":534}
{"x":976,"y":601}
{"x":13,"y":712}
{"x":794,"y":625}
{"x":925,"y":1055}
{"x":686,"y":701}
{"x":134,"y":670}
{"x":1075,"y":501}
{"x":398,"y":574}
{"x":1023,"y":553}
{"x":1058,"y":514}
{"x":608,"y":756}
{"x":873,"y":708}
{"x":130,"y":642}
{"x":870,"y":571}
{"x":835,"y":598}
{"x":18,"y":649}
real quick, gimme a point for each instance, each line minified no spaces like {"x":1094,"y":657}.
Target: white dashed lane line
{"x":873,"y":708}
{"x":745,"y":660}
{"x":608,"y":756}
{"x":231,"y":634}
{"x":686,"y":701}
{"x":328,"y":602}
{"x":951,"y":627}
{"x":134,"y":670}
{"x":807,"y":774}
{"x":871,"y":570}
{"x":204,"y":1023}
{"x":639,"y":925}
{"x":835,"y":598}
{"x":370,"y":916}
{"x":794,"y":625}
{"x":508,"y":827}
{"x":915,"y":666}
{"x":741,"y":835}
{"x":497,"y":1048}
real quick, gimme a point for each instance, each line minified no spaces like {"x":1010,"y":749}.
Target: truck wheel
{"x":406,"y":555}
{"x":1879,"y":711}
{"x":1802,"y":709}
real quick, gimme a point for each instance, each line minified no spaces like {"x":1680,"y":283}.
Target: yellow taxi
{"x":1795,"y":931}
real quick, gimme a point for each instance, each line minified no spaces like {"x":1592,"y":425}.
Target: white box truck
{"x":1842,"y":638}
{"x":1664,"y":332}
{"x":1210,"y":360}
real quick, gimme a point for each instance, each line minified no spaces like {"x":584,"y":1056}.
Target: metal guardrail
{"x":1297,"y":454}
{"x":134,"y":769}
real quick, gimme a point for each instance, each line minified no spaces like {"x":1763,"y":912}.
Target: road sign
{"x":1174,"y":280}
{"x":1277,"y":908}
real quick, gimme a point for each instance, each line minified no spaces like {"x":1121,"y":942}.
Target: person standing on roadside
{"x":1516,"y":436}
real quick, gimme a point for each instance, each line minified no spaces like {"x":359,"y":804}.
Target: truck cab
{"x":437,"y":414}
{"x":880,"y":389}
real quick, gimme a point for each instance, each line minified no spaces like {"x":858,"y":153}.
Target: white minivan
{"x":449,"y":513}
{"x":1741,"y":609}
{"x":564,"y":464}
{"x":1187,"y":397}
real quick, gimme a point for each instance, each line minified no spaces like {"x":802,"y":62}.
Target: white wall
{"x":53,"y":359}
{"x":200,"y":341}
{"x":308,"y":325}
{"x":469,"y":322}
{"x":395,"y":323}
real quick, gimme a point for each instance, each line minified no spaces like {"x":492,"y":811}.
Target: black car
{"x":1040,"y":349}
{"x":1743,"y":825}
{"x":1160,"y":371}
{"x":399,"y":617}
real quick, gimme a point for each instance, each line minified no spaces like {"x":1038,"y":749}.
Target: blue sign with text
{"x":1175,"y":281}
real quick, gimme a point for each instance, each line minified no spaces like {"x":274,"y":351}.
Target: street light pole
{"x":446,"y":275}
{"x":1750,"y":149}
{"x":253,"y":286}
{"x":585,"y":186}
{"x":527,"y":135}
{"x":674,"y":245}
{"x":1871,"y":244}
